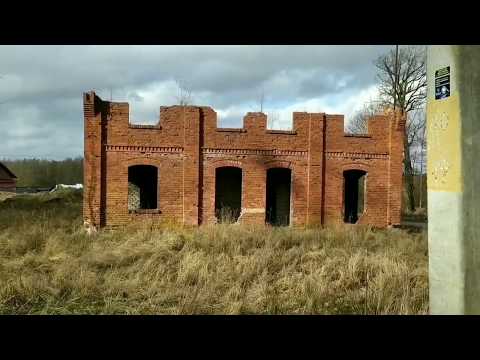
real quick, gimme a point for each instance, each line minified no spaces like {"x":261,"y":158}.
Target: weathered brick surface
{"x":186,"y":146}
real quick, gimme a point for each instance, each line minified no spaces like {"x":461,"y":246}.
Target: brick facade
{"x":187,"y":147}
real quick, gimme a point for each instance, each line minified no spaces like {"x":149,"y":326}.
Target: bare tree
{"x":423,"y":146}
{"x":358,"y":124}
{"x":184,"y":95}
{"x":410,"y":92}
{"x":403,"y":83}
{"x":416,"y":139}
{"x":273,"y":119}
{"x":415,"y":136}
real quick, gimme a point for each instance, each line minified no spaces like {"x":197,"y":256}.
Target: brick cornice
{"x":355,"y":155}
{"x":274,"y":152}
{"x":152,"y":149}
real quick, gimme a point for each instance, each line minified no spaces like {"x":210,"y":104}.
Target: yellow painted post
{"x":453,"y":130}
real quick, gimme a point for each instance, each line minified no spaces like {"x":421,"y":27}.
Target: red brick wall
{"x":380,"y":154}
{"x":186,"y":146}
{"x":8,"y":185}
{"x":93,"y":153}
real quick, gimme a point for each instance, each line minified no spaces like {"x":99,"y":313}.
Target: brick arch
{"x":227,"y":163}
{"x":142,"y":161}
{"x":350,"y":166}
{"x":278,"y":164}
{"x":356,"y":166}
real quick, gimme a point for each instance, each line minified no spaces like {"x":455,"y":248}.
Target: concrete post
{"x":453,"y":140}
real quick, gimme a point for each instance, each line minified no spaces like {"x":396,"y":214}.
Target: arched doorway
{"x":228,"y":193}
{"x":354,"y":195}
{"x":279,"y":181}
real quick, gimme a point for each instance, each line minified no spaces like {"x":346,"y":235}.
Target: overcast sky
{"x":41,"y":86}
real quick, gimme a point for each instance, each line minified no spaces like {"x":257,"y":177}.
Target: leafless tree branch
{"x":184,"y":95}
{"x":409,"y":95}
{"x":358,"y":124}
{"x":273,"y":119}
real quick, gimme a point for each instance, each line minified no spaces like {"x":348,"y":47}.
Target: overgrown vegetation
{"x":420,"y":191}
{"x":46,"y":173}
{"x":48,"y":265}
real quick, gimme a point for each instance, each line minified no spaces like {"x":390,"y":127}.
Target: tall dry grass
{"x":48,"y":265}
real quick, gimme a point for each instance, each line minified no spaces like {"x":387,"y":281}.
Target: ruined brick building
{"x":8,"y":180}
{"x":187,"y":169}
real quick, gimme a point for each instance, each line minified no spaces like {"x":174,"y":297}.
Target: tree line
{"x":46,"y":173}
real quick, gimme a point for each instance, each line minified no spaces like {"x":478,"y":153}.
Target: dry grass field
{"x":48,"y":265}
{"x":5,"y":195}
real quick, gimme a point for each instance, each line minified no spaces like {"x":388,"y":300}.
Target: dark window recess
{"x":354,"y":193}
{"x":142,"y":187}
{"x":278,"y":196}
{"x":228,"y":194}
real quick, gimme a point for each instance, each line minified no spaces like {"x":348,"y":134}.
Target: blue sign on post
{"x":442,"y":83}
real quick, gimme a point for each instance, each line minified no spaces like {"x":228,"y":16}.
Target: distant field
{"x":48,"y":265}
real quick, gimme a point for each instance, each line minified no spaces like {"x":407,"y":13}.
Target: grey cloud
{"x":134,"y":96}
{"x":51,"y":79}
{"x":52,"y":69}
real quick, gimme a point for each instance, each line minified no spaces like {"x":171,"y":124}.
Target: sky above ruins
{"x":41,"y":86}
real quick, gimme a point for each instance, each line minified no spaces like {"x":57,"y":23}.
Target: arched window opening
{"x":354,"y":195}
{"x":279,"y":182}
{"x":228,"y":194}
{"x":142,"y":187}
